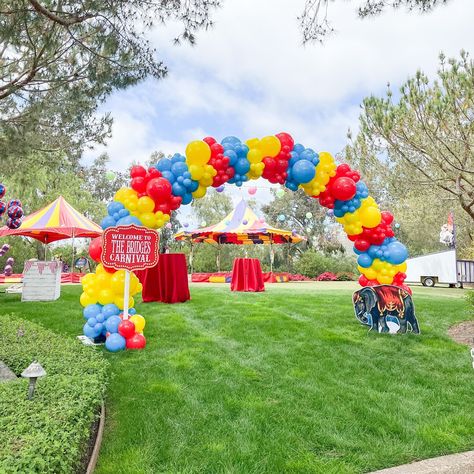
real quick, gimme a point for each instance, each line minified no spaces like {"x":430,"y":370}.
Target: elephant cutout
{"x":385,"y":308}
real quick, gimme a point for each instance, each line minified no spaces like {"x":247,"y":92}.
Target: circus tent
{"x":57,"y":221}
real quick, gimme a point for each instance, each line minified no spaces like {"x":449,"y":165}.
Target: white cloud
{"x":250,"y":75}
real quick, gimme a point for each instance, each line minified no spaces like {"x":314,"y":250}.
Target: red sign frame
{"x":130,"y":248}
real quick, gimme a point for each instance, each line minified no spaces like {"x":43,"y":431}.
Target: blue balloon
{"x":114,"y":207}
{"x":100,"y":318}
{"x":193,"y":187}
{"x":123,"y":213}
{"x":90,"y":331}
{"x":110,"y":310}
{"x":176,"y":158}
{"x":231,"y":140}
{"x":291,"y":185}
{"x":303,"y":171}
{"x":187,"y":198}
{"x":129,"y":220}
{"x":115,"y":343}
{"x":364,"y":260}
{"x":98,"y":328}
{"x":232,"y":155}
{"x":92,"y":322}
{"x":398,"y":253}
{"x":112,"y":323}
{"x":187,"y":182}
{"x":178,"y":189}
{"x":298,"y":148}
{"x":169,"y":176}
{"x":163,"y":165}
{"x":92,"y":310}
{"x":179,"y":168}
{"x":132,"y":311}
{"x":107,"y":221}
{"x":242,"y":166}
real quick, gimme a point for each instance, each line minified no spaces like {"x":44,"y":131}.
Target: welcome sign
{"x":130,"y":248}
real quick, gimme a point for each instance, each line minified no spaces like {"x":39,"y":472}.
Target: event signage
{"x":130,"y":248}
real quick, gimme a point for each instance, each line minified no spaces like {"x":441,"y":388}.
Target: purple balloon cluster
{"x":4,"y":249}
{"x":8,"y":270}
{"x":13,"y":209}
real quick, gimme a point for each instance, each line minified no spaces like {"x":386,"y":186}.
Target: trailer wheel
{"x":428,"y":281}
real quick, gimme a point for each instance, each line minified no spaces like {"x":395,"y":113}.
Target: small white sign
{"x":41,"y":281}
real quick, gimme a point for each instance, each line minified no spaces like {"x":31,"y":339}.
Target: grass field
{"x":283,"y":381}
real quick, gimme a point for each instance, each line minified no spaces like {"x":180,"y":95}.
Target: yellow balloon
{"x":103,"y":280}
{"x":139,"y":321}
{"x":148,"y":219}
{"x":200,"y":192}
{"x":370,"y":273}
{"x":145,"y":204}
{"x":117,"y":282}
{"x":269,"y":146}
{"x":119,"y":302}
{"x":86,"y":300}
{"x":385,"y":279}
{"x":252,"y":143}
{"x":205,"y":181}
{"x":370,"y":217}
{"x":255,"y":155}
{"x":402,"y":267}
{"x":86,"y":279}
{"x":196,"y":171}
{"x":106,"y":296}
{"x":198,"y":153}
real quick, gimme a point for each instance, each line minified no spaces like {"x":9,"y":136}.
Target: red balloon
{"x":286,"y":140}
{"x":137,"y":171}
{"x":387,"y":217}
{"x":153,"y":173}
{"x":343,"y":189}
{"x":126,"y":328}
{"x":363,"y":281}
{"x":138,"y":184}
{"x":164,"y":208}
{"x":209,"y":140}
{"x":362,"y":245}
{"x":159,"y":189}
{"x":95,"y":249}
{"x":216,"y":149}
{"x":137,"y":341}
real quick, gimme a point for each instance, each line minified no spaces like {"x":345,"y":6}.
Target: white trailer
{"x":440,"y":267}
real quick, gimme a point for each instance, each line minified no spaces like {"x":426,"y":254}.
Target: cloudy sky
{"x":250,"y":75}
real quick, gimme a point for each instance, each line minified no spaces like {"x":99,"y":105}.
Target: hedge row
{"x":48,"y":434}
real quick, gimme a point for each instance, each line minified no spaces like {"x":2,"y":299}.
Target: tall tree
{"x":60,"y":58}
{"x":427,"y":135}
{"x":315,"y":23}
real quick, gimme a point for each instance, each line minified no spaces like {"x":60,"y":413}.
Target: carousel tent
{"x":57,"y":221}
{"x":240,"y":227}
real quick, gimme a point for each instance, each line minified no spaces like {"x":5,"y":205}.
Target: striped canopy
{"x":240,"y":227}
{"x":57,"y":221}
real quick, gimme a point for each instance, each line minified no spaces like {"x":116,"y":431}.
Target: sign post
{"x":129,"y":248}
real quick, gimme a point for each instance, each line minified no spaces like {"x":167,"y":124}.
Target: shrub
{"x":313,"y":263}
{"x":326,"y":276}
{"x":470,"y":298}
{"x":346,"y":276}
{"x":50,"y":432}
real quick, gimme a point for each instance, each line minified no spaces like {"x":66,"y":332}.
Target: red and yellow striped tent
{"x":57,"y":221}
{"x":240,"y":227}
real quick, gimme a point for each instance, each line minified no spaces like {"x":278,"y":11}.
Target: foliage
{"x":49,"y":433}
{"x":326,"y":276}
{"x":346,"y":276}
{"x":60,"y":59}
{"x":429,"y":131}
{"x":312,"y":263}
{"x":470,"y":298}
{"x":286,"y":380}
{"x":315,"y":24}
{"x":20,"y":249}
{"x":405,"y":152}
{"x":318,"y":230}
{"x":212,"y":208}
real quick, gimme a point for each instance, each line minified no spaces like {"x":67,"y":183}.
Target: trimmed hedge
{"x":50,"y":433}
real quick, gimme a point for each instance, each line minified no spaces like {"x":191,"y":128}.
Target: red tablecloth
{"x":247,"y":275}
{"x":167,"y":282}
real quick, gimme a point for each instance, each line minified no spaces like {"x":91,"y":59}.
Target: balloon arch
{"x":154,"y":193}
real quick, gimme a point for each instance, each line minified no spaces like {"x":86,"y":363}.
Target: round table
{"x":166,"y":282}
{"x":247,"y":275}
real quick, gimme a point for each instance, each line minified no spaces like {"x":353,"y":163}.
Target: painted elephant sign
{"x":385,"y":308}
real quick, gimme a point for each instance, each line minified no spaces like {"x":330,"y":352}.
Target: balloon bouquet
{"x":13,"y":210}
{"x":157,"y":191}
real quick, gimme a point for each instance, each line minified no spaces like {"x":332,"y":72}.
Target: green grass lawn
{"x":283,"y":381}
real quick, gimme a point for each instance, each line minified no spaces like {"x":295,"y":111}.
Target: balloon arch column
{"x":154,"y":193}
